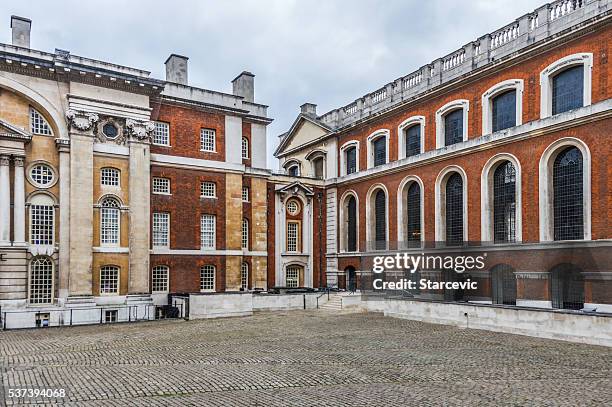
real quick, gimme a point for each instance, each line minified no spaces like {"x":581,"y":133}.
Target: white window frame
{"x":244,"y":276}
{"x":118,"y":281}
{"x":293,"y":269}
{"x":245,"y":234}
{"x":546,"y":76}
{"x":161,"y":186}
{"x":161,"y":131}
{"x":245,"y":148}
{"x":38,"y":124}
{"x":440,"y":204}
{"x":402,"y":210}
{"x":207,"y":268}
{"x":409,"y":122}
{"x":203,"y":188}
{"x":443,"y":111}
{"x":47,"y":167}
{"x":48,"y":283}
{"x":293,"y":242}
{"x":344,"y":220}
{"x":44,"y":203}
{"x":160,"y":279}
{"x":346,"y":146}
{"x":496,"y":90}
{"x":371,"y":216}
{"x":106,"y":225}
{"x":293,"y":163}
{"x":110,"y":177}
{"x":208,"y":233}
{"x":370,"y":145}
{"x":205,"y":142}
{"x":161,"y":235}
{"x":246,"y":194}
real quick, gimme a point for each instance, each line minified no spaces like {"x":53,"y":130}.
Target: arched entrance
{"x":566,"y":287}
{"x":351,"y":278}
{"x":503,"y":285}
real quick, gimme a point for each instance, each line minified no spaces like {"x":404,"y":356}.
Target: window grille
{"x":380,"y":151}
{"x":42,"y":219}
{"x":161,"y":185}
{"x":109,"y":177}
{"x":568,"y":90}
{"x":504,"y":203}
{"x":352,"y":224}
{"x":41,"y":175}
{"x":244,"y":276}
{"x":567,"y":287}
{"x":454,"y":210}
{"x":292,"y":277}
{"x":245,"y":147}
{"x":292,"y":236}
{"x":208,"y":231}
{"x":207,"y":278}
{"x":38,"y":124}
{"x":293,"y":207}
{"x":413,"y":204}
{"x":109,"y":222}
{"x":207,"y":140}
{"x":504,"y":110}
{"x":413,"y":140}
{"x":109,"y":280}
{"x":351,"y":160}
{"x":41,"y":281}
{"x":160,"y":278}
{"x":453,"y":127}
{"x":380,"y":227}
{"x":161,"y":134}
{"x":245,"y":194}
{"x":208,"y":189}
{"x":568,"y":195}
{"x":161,"y":229}
{"x":245,"y":233}
{"x":503,"y":285}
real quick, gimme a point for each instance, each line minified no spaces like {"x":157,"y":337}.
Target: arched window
{"x":568,"y":195}
{"x":293,"y":168}
{"x":160,"y":278}
{"x":413,"y":215}
{"x":413,"y":140}
{"x":38,"y":124}
{"x":245,"y":147}
{"x":380,"y":216}
{"x":207,"y":278}
{"x":350,"y":159}
{"x":245,"y":233}
{"x":504,"y":110}
{"x":453,"y":127}
{"x":41,"y":281}
{"x":109,"y":280}
{"x":568,"y":89}
{"x":504,"y":203}
{"x":244,"y":276}
{"x":351,"y":224}
{"x":566,"y":287}
{"x":451,"y":123}
{"x":379,"y":149}
{"x":454,"y":209}
{"x":503,"y":285}
{"x":109,"y":222}
{"x":42,"y":220}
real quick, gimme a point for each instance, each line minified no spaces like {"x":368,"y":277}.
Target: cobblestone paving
{"x":300,"y":358}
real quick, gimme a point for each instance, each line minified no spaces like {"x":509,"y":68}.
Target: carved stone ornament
{"x":141,"y":130}
{"x":82,"y":121}
{"x":5,"y":160}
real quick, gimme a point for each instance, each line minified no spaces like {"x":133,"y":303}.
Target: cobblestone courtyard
{"x":302,"y":358}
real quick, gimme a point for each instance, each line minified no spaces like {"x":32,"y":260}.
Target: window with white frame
{"x":42,"y":218}
{"x":41,"y":281}
{"x":109,"y":177}
{"x":208,"y":189}
{"x":109,"y":280}
{"x":161,"y":134}
{"x":293,"y":169}
{"x":207,"y":278}
{"x":207,"y":140}
{"x":207,"y":231}
{"x":245,"y":233}
{"x":411,"y":137}
{"x":244,"y":276}
{"x":502,"y":106}
{"x":38,"y":124}
{"x":42,"y":175}
{"x":161,"y":229}
{"x":452,"y":123}
{"x":378,"y":148}
{"x":109,"y":222}
{"x":245,"y":194}
{"x":245,"y":147}
{"x":293,"y":239}
{"x":161,"y":185}
{"x":160,"y":278}
{"x":293,"y":207}
{"x":349,"y":158}
{"x":292,"y":277}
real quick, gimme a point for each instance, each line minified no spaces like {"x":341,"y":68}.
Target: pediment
{"x":296,"y":187}
{"x":304,"y":130}
{"x":10,"y":131}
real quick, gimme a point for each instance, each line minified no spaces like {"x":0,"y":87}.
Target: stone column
{"x":19,"y":204}
{"x":5,"y":201}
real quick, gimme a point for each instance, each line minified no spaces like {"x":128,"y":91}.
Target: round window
{"x":293,"y":207}
{"x":41,"y":175}
{"x":110,"y":130}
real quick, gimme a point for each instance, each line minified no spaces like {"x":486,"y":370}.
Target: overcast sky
{"x":328,"y":52}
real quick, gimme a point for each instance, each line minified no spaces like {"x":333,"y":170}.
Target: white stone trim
{"x":211,"y":165}
{"x":495,"y":90}
{"x":402,"y":209}
{"x":583,"y":58}
{"x":401,"y":137}
{"x":441,"y":202}
{"x":316,"y":154}
{"x":370,"y":140}
{"x":343,"y":148}
{"x":370,"y":216}
{"x":486,"y":197}
{"x":343,"y":220}
{"x":447,"y":108}
{"x":546,"y":188}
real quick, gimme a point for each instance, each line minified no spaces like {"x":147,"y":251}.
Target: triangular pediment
{"x":304,"y":130}
{"x":10,"y":131}
{"x":296,"y":187}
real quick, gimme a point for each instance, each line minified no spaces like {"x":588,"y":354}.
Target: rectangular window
{"x":207,"y":225}
{"x":109,"y":177}
{"x":380,"y":151}
{"x":245,"y":194}
{"x":244,"y":276}
{"x":41,"y":226}
{"x":413,"y":140}
{"x":161,"y":186}
{"x":207,"y":140}
{"x":245,"y":233}
{"x":504,"y":111}
{"x":208,"y":189}
{"x":351,"y":160}
{"x":293,"y":277}
{"x":109,"y":226}
{"x":161,"y":134}
{"x":110,"y":316}
{"x":207,"y":278}
{"x":159,"y":279}
{"x":293,"y":239}
{"x":109,"y":280}
{"x":568,"y":90}
{"x":161,"y":229}
{"x":453,"y":127}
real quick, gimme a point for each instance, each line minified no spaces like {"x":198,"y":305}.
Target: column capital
{"x":5,"y":160}
{"x":19,"y":161}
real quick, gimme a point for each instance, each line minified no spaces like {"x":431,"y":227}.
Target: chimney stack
{"x":21,"y":31}
{"x":244,"y":85}
{"x":309,"y":109}
{"x":176,"y":69}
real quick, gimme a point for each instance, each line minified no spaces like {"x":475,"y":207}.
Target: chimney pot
{"x":244,"y":85}
{"x":21,"y":31}
{"x":176,"y":69}
{"x":309,"y":109}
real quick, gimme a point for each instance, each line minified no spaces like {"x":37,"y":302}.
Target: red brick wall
{"x":185,"y":271}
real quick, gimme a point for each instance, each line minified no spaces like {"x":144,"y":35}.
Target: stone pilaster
{"x":5,"y":201}
{"x":63,"y":146}
{"x":259,"y":232}
{"x":233,"y":226}
{"x":19,"y":203}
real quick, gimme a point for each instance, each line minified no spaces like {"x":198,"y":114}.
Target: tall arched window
{"x":413,"y":218}
{"x":351,"y":159}
{"x":244,"y":276}
{"x":568,"y":195}
{"x":351,"y":224}
{"x":245,"y":147}
{"x":568,"y":89}
{"x":413,"y":140}
{"x":379,"y":147}
{"x":41,"y":281}
{"x":109,"y":222}
{"x":454,"y":210}
{"x":504,"y":110}
{"x":503,"y":285}
{"x":380,"y":215}
{"x":504,"y":203}
{"x":453,"y":127}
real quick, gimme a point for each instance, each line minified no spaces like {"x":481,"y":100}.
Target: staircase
{"x":334,"y":303}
